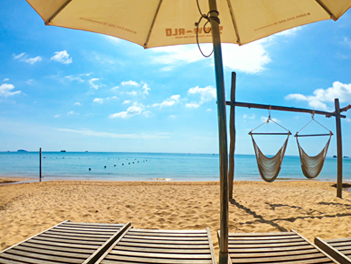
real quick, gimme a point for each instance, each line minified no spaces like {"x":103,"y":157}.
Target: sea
{"x":127,"y":166}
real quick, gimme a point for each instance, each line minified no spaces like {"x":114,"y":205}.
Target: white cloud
{"x":70,"y":113}
{"x":322,"y":96}
{"x":92,"y":84}
{"x":146,"y":88}
{"x":130,"y":83}
{"x":30,"y":81}
{"x":143,"y":90}
{"x":177,"y":54}
{"x":98,"y":100}
{"x":24,"y":57}
{"x":135,"y":109}
{"x":111,"y":135}
{"x":6,"y":80}
{"x":33,"y":60}
{"x":147,"y":113}
{"x":289,"y":32}
{"x":207,"y":94}
{"x":78,"y":104}
{"x":77,"y":77}
{"x":126,"y":102}
{"x":62,"y":56}
{"x":110,"y":98}
{"x":172,"y":116}
{"x":245,"y":116}
{"x":168,"y":102}
{"x":56,"y":116}
{"x":133,"y":93}
{"x":347,"y":41}
{"x":249,"y":58}
{"x":19,"y":56}
{"x":5,"y":90}
{"x":114,"y":88}
{"x":192,"y":105}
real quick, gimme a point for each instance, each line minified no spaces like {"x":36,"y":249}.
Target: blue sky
{"x":75,"y":90}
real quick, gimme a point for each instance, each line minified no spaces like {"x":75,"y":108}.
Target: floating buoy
{"x":114,"y":165}
{"x":90,"y":169}
{"x":122,"y":164}
{"x":105,"y":167}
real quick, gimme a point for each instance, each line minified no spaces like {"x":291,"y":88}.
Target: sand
{"x":308,"y":207}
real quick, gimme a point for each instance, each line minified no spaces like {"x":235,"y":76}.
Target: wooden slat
{"x":155,"y":231}
{"x":132,"y":259}
{"x":161,"y":246}
{"x":56,"y":247}
{"x":163,"y":255}
{"x":164,"y":238}
{"x":191,"y":246}
{"x":161,"y":261}
{"x":336,"y":240}
{"x":159,"y":250}
{"x":66,"y":242}
{"x":170,"y":242}
{"x":25,"y":251}
{"x":70,"y":241}
{"x":334,"y":252}
{"x":284,"y":247}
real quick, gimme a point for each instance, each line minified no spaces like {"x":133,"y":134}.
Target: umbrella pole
{"x":222,"y":126}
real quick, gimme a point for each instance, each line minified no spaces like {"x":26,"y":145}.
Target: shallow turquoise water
{"x":147,"y":166}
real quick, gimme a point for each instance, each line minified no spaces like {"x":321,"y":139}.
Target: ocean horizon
{"x":139,"y":166}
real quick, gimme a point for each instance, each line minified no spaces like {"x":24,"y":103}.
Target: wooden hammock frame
{"x":337,"y":114}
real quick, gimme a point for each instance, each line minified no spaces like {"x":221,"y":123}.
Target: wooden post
{"x":39,"y":164}
{"x":232,"y":138}
{"x":339,"y":148}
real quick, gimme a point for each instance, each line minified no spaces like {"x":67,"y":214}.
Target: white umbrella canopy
{"x":156,"y":23}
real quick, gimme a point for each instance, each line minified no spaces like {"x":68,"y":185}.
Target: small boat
{"x":346,"y":157}
{"x":334,"y":156}
{"x":62,"y":150}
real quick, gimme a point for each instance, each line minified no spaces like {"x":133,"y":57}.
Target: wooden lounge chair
{"x":339,"y":249}
{"x":67,"y":242}
{"x":161,"y":246}
{"x":282,"y":247}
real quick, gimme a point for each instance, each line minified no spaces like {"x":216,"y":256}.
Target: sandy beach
{"x":308,"y":207}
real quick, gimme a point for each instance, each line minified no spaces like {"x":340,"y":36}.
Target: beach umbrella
{"x":155,"y":23}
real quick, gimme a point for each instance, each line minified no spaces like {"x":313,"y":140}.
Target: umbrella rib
{"x":327,"y":10}
{"x":152,"y":24}
{"x":57,"y":12}
{"x":234,"y":21}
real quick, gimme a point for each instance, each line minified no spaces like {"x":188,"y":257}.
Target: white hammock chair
{"x":312,"y":165}
{"x":269,"y":168}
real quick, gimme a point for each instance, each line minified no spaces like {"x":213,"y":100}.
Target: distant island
{"x":62,"y":150}
{"x":22,"y":150}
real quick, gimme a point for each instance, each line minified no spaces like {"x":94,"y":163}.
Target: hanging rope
{"x":312,"y":165}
